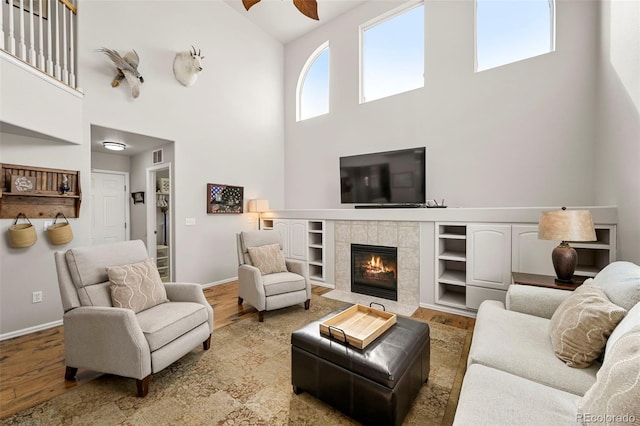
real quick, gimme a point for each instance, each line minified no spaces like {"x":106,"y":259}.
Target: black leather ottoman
{"x":375,"y":385}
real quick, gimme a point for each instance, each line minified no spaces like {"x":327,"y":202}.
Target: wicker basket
{"x":22,"y":235}
{"x":60,"y":233}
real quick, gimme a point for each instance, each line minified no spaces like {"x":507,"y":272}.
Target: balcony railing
{"x":41,"y":33}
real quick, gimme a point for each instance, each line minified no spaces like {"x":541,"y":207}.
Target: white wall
{"x":227,"y":128}
{"x":112,"y":162}
{"x":618,"y":153}
{"x":517,"y":135}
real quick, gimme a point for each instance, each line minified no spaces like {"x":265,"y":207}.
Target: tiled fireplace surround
{"x":403,"y":235}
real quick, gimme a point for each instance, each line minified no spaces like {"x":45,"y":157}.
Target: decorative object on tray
{"x":187,"y":65}
{"x":222,"y":198}
{"x":358,"y":325}
{"x":22,"y":235}
{"x":23,"y":183}
{"x":60,"y":233}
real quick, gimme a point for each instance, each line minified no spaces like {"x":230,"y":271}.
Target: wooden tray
{"x":358,"y":325}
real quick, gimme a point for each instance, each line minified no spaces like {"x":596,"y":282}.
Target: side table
{"x":546,"y":281}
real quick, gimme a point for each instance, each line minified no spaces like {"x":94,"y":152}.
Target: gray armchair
{"x":270,"y":291}
{"x":107,"y":339}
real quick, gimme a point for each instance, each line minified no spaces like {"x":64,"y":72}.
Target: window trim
{"x":552,"y":38}
{"x":302,"y":77}
{"x":390,"y":14}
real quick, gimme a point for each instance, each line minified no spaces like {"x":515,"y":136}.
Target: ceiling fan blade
{"x":248,"y":3}
{"x":308,"y":8}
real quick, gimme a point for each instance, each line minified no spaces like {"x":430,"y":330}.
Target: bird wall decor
{"x":308,"y":8}
{"x":127,"y":66}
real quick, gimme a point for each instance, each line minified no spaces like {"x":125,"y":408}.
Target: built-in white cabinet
{"x":294,"y":237}
{"x":489,"y":255}
{"x":474,"y":261}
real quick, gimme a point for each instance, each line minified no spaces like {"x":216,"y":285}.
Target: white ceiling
{"x":135,"y":143}
{"x":284,"y":22}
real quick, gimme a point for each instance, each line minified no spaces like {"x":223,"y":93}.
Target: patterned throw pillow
{"x":579,"y":328}
{"x":269,"y":259}
{"x":137,"y":286}
{"x":614,"y":398}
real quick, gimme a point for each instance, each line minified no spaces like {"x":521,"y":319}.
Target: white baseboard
{"x":215,"y":283}
{"x":462,"y":312}
{"x":323,"y":284}
{"x":29,"y":330}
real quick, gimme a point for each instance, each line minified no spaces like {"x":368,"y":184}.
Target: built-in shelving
{"x":451,"y":250}
{"x":162,"y":262}
{"x":316,"y":250}
{"x":595,"y":255}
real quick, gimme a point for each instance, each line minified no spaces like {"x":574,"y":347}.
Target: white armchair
{"x":108,"y":339}
{"x":267,"y":292}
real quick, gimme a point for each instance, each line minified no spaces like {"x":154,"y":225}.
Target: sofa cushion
{"x":493,"y":397}
{"x":162,"y":323}
{"x":579,"y":328}
{"x":269,"y":259}
{"x":136,"y":286}
{"x":621,"y":283}
{"x":616,"y":393}
{"x":631,"y":320}
{"x":519,"y":344}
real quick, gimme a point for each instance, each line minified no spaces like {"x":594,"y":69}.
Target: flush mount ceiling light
{"x":308,"y":8}
{"x":114,"y":146}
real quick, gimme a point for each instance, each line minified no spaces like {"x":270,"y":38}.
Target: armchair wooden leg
{"x":260,"y":316}
{"x":207,"y":343}
{"x":70,"y":373}
{"x":240,"y":300}
{"x":143,"y":386}
{"x":307,"y":304}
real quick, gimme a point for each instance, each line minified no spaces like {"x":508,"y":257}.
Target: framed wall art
{"x":222,"y":198}
{"x":138,"y":197}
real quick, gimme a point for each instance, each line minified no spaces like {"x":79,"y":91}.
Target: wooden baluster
{"x":41,"y":64}
{"x":72,"y":58}
{"x":32,"y":40}
{"x":56,"y":72}
{"x":22,"y":48}
{"x":65,"y":70}
{"x":49,"y":40}
{"x":11,"y":39}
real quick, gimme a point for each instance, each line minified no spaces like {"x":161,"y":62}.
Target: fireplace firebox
{"x":374,"y":271}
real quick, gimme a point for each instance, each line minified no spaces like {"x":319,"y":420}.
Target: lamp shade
{"x":566,"y":225}
{"x":258,"y":206}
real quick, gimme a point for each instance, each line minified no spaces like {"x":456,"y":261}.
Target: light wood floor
{"x":32,"y":366}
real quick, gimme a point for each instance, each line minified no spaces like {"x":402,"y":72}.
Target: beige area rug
{"x":244,"y":379}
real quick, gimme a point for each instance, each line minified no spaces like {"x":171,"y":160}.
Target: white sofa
{"x":514,"y":377}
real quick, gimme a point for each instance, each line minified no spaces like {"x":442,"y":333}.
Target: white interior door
{"x":109,"y":207}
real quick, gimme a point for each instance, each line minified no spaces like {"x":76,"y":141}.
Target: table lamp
{"x":566,"y":225}
{"x":258,"y":206}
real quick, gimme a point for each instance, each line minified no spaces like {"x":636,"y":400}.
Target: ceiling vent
{"x":157,"y":156}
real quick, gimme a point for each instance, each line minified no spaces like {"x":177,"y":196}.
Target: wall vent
{"x":157,"y":156}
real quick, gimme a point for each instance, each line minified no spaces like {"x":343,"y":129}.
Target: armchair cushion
{"x":621,"y":283}
{"x":136,"y":286}
{"x":579,"y":328}
{"x":282,"y":282}
{"x":268,"y":258}
{"x":162,"y":323}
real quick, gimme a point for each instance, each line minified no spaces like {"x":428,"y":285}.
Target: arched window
{"x":313,"y":85}
{"x":392,"y":53}
{"x":510,"y":31}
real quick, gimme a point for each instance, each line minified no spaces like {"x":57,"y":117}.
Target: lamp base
{"x":565,"y":259}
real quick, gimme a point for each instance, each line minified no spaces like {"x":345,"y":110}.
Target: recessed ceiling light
{"x":114,"y":146}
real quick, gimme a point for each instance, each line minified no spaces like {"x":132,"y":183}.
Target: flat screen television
{"x":384,"y":178}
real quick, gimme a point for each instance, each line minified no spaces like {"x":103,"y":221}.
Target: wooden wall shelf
{"x":45,"y":198}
